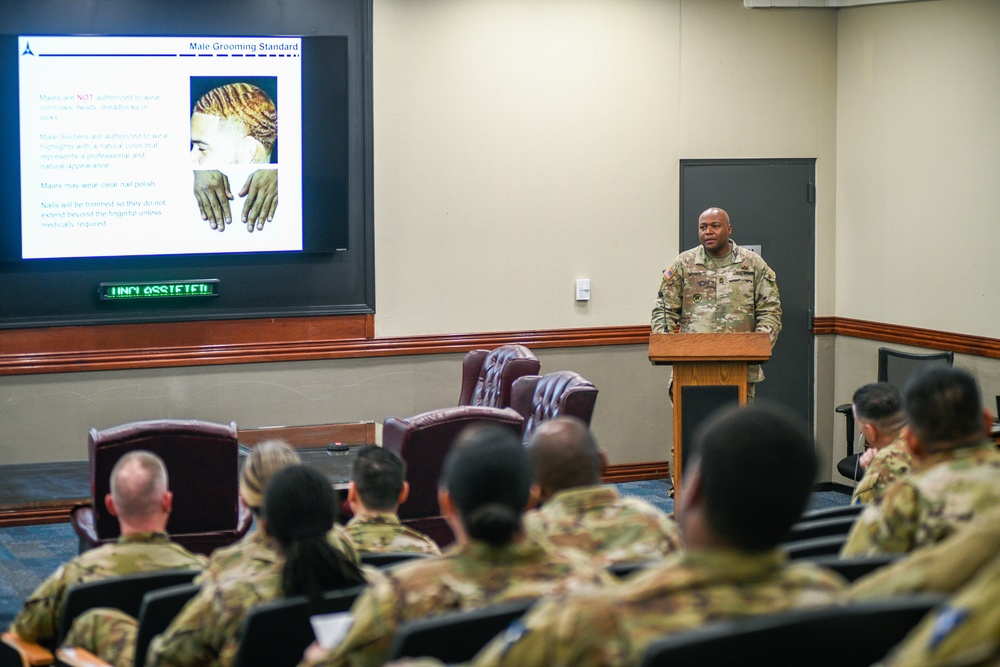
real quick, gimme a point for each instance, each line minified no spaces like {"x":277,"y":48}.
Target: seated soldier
{"x":943,"y":567}
{"x":486,"y":485}
{"x":141,"y":501}
{"x":377,"y":489}
{"x":578,"y":512}
{"x":748,"y":482}
{"x":965,"y":630}
{"x":878,"y":410}
{"x":299,"y":509}
{"x":111,"y":634}
{"x":956,"y":474}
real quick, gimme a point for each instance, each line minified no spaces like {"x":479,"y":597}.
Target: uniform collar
{"x":704,"y":258}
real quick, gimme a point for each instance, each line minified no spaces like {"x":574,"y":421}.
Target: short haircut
{"x":265,"y":459}
{"x":488,"y":475}
{"x":564,"y":454}
{"x":881,"y":404}
{"x":944,"y":407}
{"x":246,"y":106}
{"x":758,"y":466}
{"x":138,"y":482}
{"x":378,"y":476}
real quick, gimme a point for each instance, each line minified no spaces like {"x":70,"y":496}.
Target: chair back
{"x":202,"y":460}
{"x":855,"y":567}
{"x":854,"y":634}
{"x":833,"y":512}
{"x":488,"y":375}
{"x":458,"y":636}
{"x":423,"y":441}
{"x":539,"y":398}
{"x":276,"y":634}
{"x":896,"y":367}
{"x":158,"y":609}
{"x":810,"y":548}
{"x":124,"y":593}
{"x":807,"y":529}
{"x":389,"y":558}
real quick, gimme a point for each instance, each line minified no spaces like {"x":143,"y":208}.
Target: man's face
{"x":713,"y":232}
{"x":211,"y":141}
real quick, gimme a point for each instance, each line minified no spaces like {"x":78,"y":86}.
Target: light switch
{"x":583,"y":289}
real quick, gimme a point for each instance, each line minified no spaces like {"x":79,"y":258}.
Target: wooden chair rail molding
{"x":979,"y":346}
{"x":160,"y":345}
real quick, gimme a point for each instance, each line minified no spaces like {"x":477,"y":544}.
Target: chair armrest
{"x":31,"y":654}
{"x":845,"y":408}
{"x":79,"y":657}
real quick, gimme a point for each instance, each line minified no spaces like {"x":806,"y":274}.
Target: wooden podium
{"x":710,"y":372}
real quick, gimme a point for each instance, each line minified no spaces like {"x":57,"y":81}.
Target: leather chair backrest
{"x":564,"y":393}
{"x":278,"y":632}
{"x":202,"y":460}
{"x":423,"y":441}
{"x":489,"y":375}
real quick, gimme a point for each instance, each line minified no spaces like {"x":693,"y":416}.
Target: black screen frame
{"x":328,"y":282}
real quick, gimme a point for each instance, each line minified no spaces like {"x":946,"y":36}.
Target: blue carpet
{"x":28,"y":554}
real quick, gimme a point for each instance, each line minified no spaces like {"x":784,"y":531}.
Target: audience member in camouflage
{"x":937,"y":568}
{"x":878,"y":411}
{"x":747,"y":459}
{"x":111,"y":633}
{"x":963,"y":631}
{"x":718,"y":287}
{"x":141,"y":501}
{"x":378,"y":487}
{"x":577,"y":512}
{"x":378,"y":533}
{"x":487,"y":480}
{"x":957,"y":474}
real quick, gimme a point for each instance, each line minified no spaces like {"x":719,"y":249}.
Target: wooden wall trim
{"x":636,"y":472}
{"x":894,"y":333}
{"x":162,"y":345}
{"x":203,"y":343}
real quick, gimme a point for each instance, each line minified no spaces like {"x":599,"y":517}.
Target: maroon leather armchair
{"x":202,"y":460}
{"x":538,"y":398}
{"x":489,"y":375}
{"x":423,"y":441}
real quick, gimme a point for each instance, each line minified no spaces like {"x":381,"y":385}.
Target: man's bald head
{"x":139,"y":486}
{"x":565,"y":455}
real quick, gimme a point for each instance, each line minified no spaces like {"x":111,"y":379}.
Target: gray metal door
{"x":771,"y":204}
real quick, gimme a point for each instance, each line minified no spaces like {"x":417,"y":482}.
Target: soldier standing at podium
{"x":719,"y":287}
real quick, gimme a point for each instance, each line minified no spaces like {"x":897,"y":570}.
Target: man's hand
{"x":261,"y":191}
{"x":211,"y":189}
{"x":866,"y":457}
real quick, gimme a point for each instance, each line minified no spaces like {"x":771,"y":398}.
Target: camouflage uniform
{"x":946,"y":491}
{"x":381,"y":533}
{"x":889,"y":464}
{"x":130,"y":554}
{"x":466,"y":577}
{"x":614,"y":627}
{"x":937,"y":568}
{"x":111,"y":634}
{"x":603,"y":525}
{"x":963,"y":631}
{"x":736,"y":293}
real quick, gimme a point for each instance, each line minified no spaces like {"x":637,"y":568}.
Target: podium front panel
{"x":698,"y":403}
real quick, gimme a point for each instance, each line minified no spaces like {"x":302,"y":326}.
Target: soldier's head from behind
{"x":750,"y":479}
{"x":944,"y":411}
{"x":140,"y":496}
{"x":264,"y":460}
{"x":299,"y":509}
{"x":486,"y":485}
{"x":564,"y":455}
{"x":878,"y":410}
{"x":714,"y":231}
{"x":233,"y":124}
{"x":378,"y":481}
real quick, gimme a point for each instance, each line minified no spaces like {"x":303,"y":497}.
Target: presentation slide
{"x":149,"y":145}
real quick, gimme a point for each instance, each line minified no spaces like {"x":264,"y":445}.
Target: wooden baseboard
{"x":636,"y":472}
